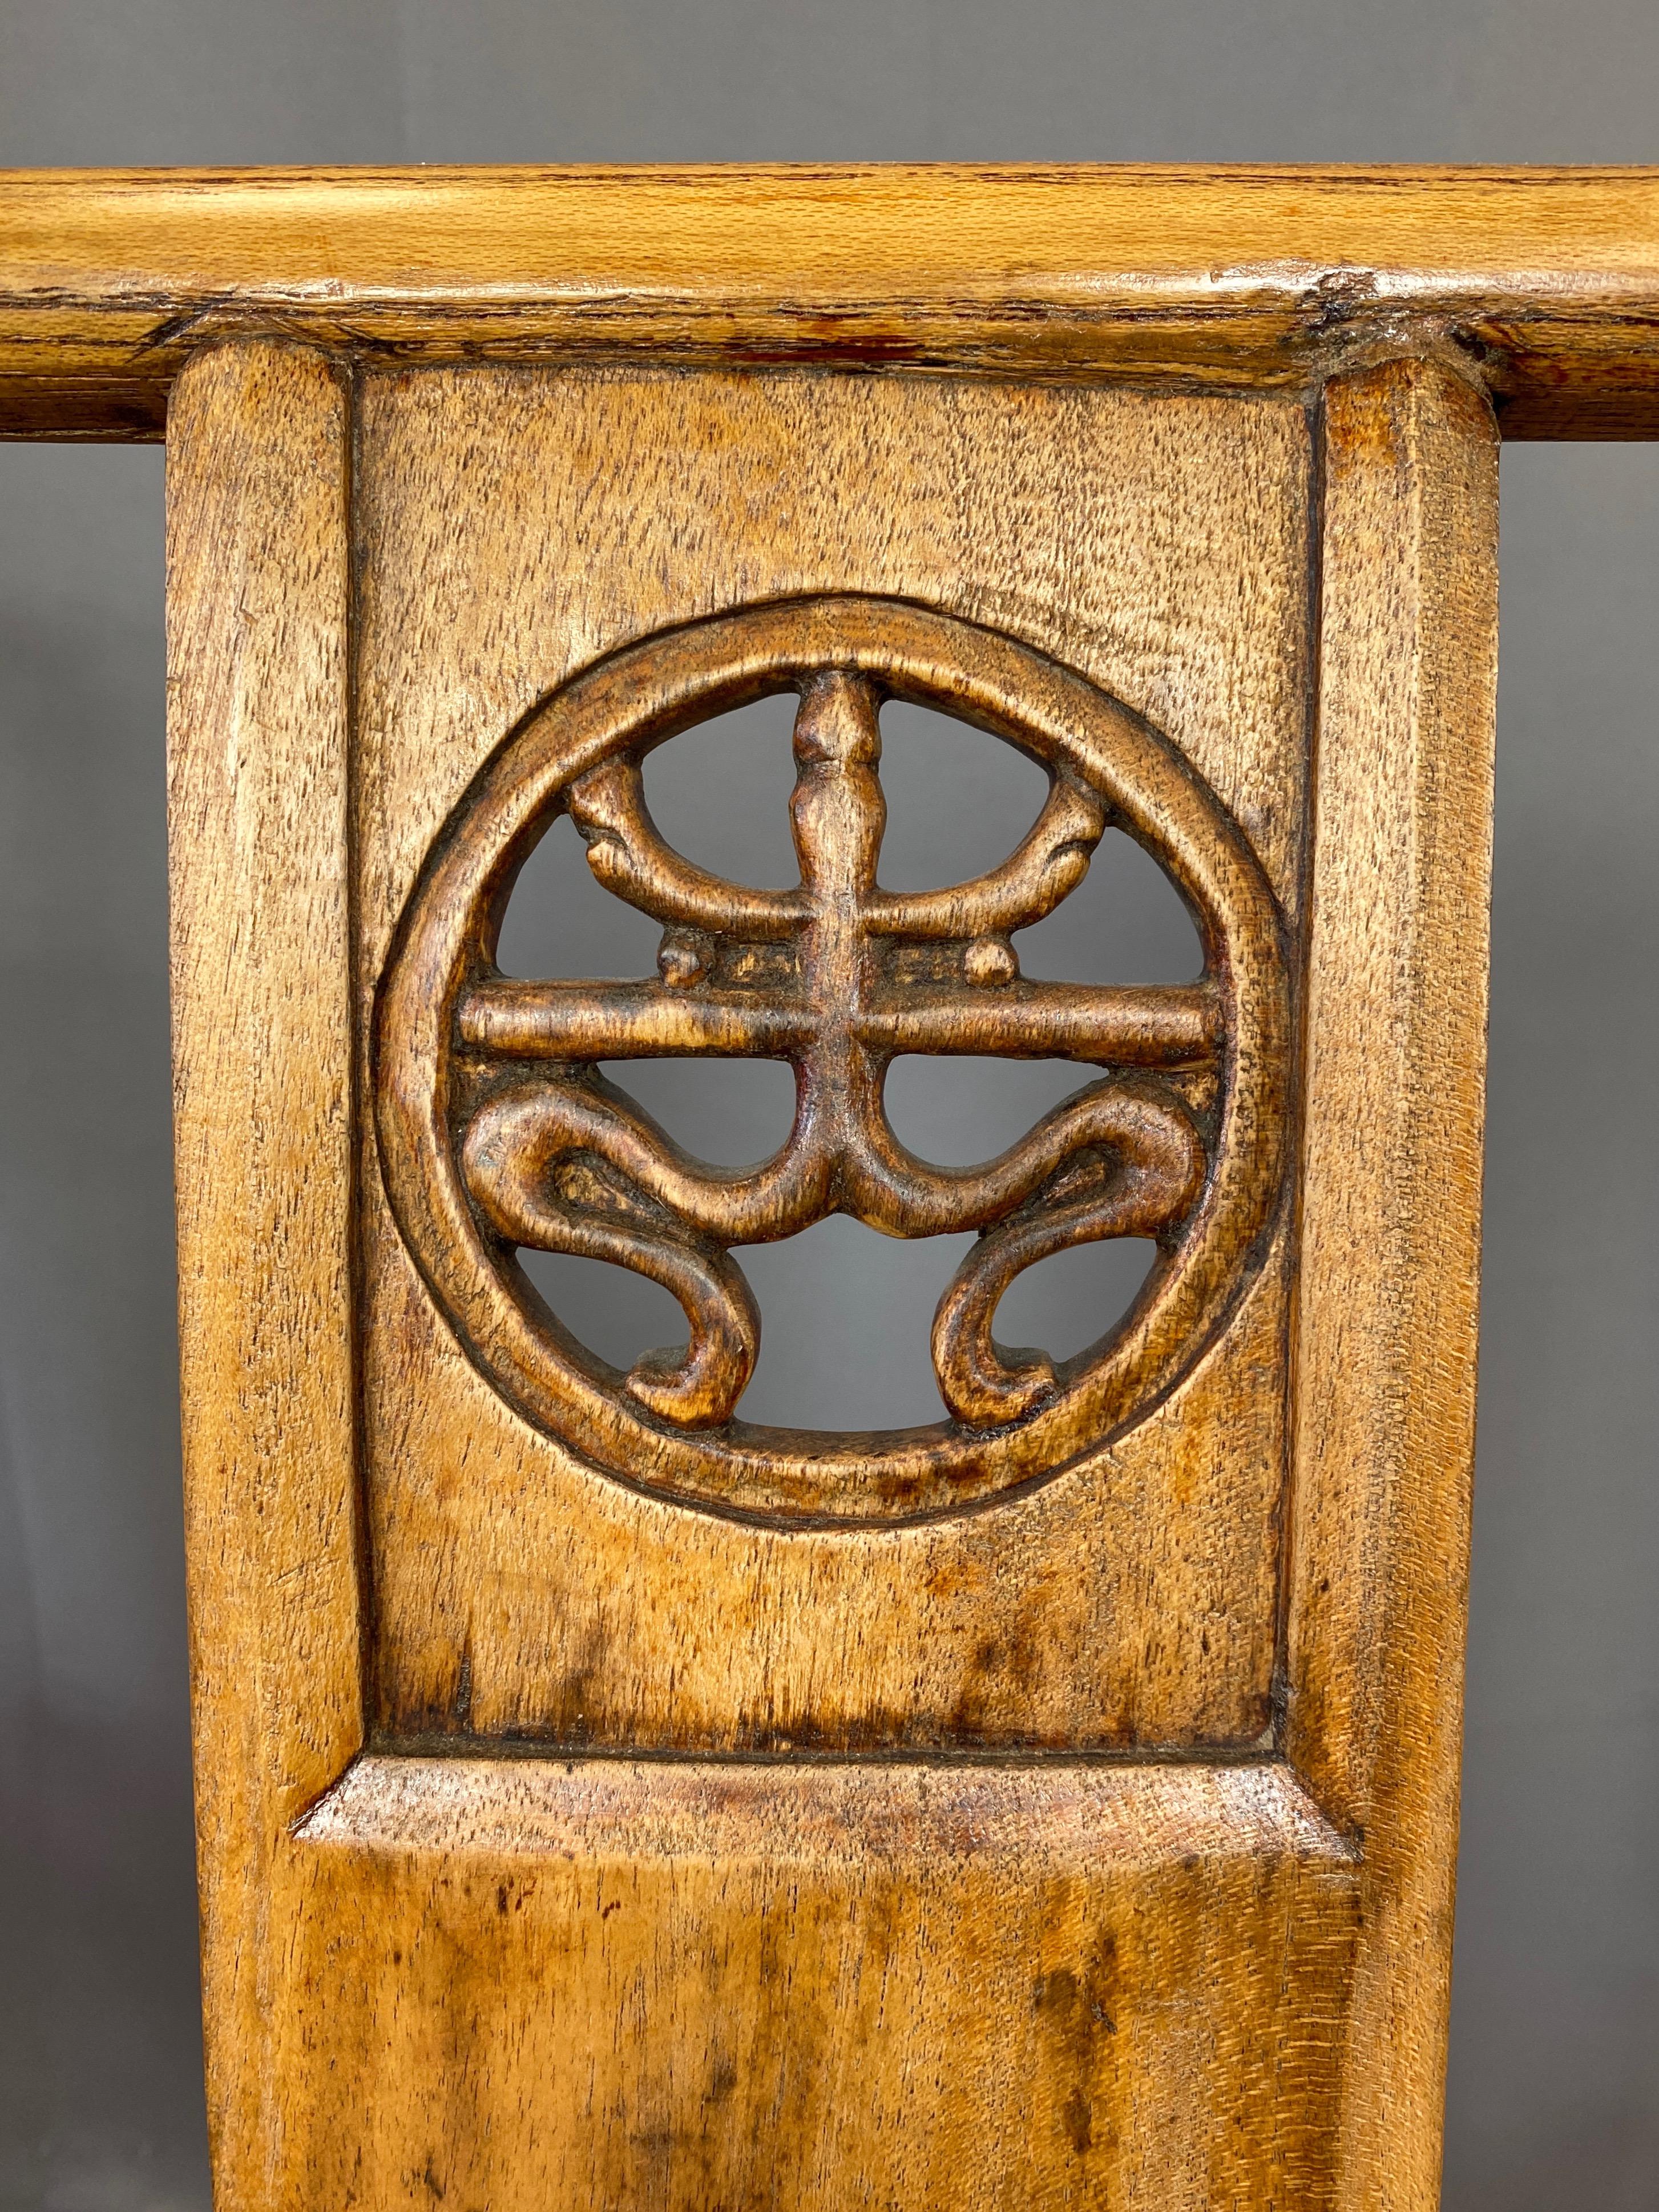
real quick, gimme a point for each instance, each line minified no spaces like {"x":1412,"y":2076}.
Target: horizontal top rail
{"x":1545,"y":283}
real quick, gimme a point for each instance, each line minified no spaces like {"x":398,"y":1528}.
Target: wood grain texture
{"x":1545,"y":281}
{"x":516,"y":527}
{"x":1390,"y":1270}
{"x":691,"y":1987}
{"x":257,"y":740}
{"x":978,"y":1968}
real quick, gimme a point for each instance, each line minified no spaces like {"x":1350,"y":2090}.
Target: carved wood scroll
{"x":498,"y":1131}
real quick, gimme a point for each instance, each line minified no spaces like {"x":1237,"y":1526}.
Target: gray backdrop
{"x":1554,"y":2099}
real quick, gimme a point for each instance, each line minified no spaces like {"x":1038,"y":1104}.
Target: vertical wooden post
{"x":1385,"y":1349}
{"x":258,"y":583}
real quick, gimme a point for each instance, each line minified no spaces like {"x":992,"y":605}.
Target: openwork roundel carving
{"x":498,"y":1132}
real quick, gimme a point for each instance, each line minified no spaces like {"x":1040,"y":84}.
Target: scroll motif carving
{"x":498,"y":1132}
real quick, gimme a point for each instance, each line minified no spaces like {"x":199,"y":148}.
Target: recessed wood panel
{"x":514,"y":527}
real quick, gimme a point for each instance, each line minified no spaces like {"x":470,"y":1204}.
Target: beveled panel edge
{"x":1145,"y":1812}
{"x":946,"y":1981}
{"x":1543,"y":282}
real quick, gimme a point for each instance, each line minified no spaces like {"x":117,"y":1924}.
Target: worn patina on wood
{"x":1115,"y":1598}
{"x":1127,"y":1876}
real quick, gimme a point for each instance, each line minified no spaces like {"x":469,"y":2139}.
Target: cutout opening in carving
{"x":732,"y":1113}
{"x":613,"y":1312}
{"x":560,"y":922}
{"x":1072,"y":1299}
{"x":847,"y":1312}
{"x":719,"y":793}
{"x":959,"y":800}
{"x":1125,"y":922}
{"x":958,"y":1110}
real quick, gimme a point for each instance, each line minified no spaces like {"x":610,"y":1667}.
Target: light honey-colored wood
{"x":534,"y":1985}
{"x":1544,"y":281}
{"x":1390,"y":1199}
{"x":515,"y":529}
{"x":258,"y":589}
{"x":567,"y":1843}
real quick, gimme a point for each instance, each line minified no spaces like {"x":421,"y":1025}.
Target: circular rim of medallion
{"x":656,"y":689}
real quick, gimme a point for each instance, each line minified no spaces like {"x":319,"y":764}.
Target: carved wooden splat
{"x":498,"y":1132}
{"x":607,"y":1803}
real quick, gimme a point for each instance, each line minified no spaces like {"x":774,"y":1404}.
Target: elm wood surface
{"x":517,"y":528}
{"x":258,"y":584}
{"x":1544,"y":282}
{"x":716,"y":1985}
{"x":1389,"y":1261}
{"x":1164,"y":1981}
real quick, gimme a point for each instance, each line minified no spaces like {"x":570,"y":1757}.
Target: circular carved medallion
{"x":497,"y":1131}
